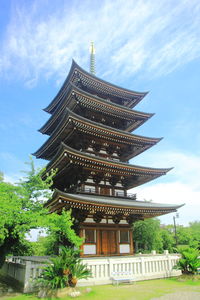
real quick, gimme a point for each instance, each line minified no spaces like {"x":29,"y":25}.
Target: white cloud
{"x":183,"y":188}
{"x":174,"y":193}
{"x":186,"y":167}
{"x":14,"y":169}
{"x":154,"y":37}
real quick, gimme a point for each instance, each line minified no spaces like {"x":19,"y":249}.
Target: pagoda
{"x":90,"y":144}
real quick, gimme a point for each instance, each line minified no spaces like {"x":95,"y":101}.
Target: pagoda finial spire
{"x":92,"y":59}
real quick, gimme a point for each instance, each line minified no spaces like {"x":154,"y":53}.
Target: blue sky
{"x":142,"y":45}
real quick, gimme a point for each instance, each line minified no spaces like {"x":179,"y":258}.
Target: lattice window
{"x":90,"y":236}
{"x":124,"y":237}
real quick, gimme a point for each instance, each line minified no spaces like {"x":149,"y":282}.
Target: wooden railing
{"x":117,"y":194}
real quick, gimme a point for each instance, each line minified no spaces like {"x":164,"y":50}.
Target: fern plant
{"x":189,"y":261}
{"x":53,"y":275}
{"x":78,"y":271}
{"x":63,"y":270}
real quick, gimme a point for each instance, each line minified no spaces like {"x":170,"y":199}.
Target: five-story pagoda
{"x":90,"y":145}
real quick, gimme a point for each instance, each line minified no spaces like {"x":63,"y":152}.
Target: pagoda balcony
{"x":117,"y":194}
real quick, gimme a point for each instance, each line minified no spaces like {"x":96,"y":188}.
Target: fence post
{"x":27,"y":276}
{"x":110,"y":265}
{"x":142,"y":266}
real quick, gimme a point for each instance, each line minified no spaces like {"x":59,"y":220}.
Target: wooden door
{"x":105,"y":191}
{"x":108,"y":242}
{"x":112,"y":241}
{"x":104,"y":242}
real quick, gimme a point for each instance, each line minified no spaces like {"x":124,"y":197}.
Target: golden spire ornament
{"x":92,"y":59}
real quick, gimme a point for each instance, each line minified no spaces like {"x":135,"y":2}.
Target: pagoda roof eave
{"x":64,"y":149}
{"x":128,"y":109}
{"x":109,"y":128}
{"x":56,"y":98}
{"x":111,"y":204}
{"x":131,"y":92}
{"x":98,"y":102}
{"x":92,"y":128}
{"x":66,"y":157}
{"x":74,"y":66}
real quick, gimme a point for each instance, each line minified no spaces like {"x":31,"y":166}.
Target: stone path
{"x":180,"y":296}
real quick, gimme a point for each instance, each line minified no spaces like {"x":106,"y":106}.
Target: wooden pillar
{"x":113,"y":191}
{"x":118,"y":241}
{"x":82,"y":187}
{"x":131,"y":241}
{"x":98,"y":242}
{"x":81,"y":247}
{"x":96,"y":189}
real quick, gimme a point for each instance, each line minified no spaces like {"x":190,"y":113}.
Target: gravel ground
{"x":180,"y":296}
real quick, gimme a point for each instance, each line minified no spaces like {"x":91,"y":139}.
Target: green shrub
{"x":63,"y":270}
{"x":189,"y":261}
{"x":53,"y":276}
{"x":78,"y":271}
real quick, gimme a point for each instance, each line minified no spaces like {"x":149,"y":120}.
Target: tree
{"x":1,"y":177}
{"x":195,"y":233}
{"x":36,"y":190}
{"x":15,"y":221}
{"x":61,"y":232}
{"x":167,"y":239}
{"x":183,"y":235}
{"x":147,"y":235}
{"x":22,"y":209}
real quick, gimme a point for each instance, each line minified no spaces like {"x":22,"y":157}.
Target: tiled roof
{"x":100,"y":85}
{"x":118,"y":201}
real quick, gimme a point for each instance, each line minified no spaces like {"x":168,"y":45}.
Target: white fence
{"x":138,"y":267}
{"x":23,"y":270}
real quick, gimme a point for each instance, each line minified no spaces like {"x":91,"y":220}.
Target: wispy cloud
{"x":186,"y":167}
{"x":8,"y":160}
{"x":152,"y":37}
{"x":13,"y":168}
{"x":174,"y":193}
{"x":183,"y":188}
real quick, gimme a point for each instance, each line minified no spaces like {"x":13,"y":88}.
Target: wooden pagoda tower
{"x":90,"y":143}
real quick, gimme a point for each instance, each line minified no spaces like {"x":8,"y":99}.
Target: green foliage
{"x":70,"y":256}
{"x":189,"y":235}
{"x":147,"y":236}
{"x":167,"y":239}
{"x":53,"y":276}
{"x":60,"y":229}
{"x":189,"y":262}
{"x":23,"y":247}
{"x":22,"y":209}
{"x":16,"y":220}
{"x":39,"y":247}
{"x":1,"y":177}
{"x":183,"y":235}
{"x":61,"y":270}
{"x":195,"y":233}
{"x":80,"y":271}
{"x":35,"y":189}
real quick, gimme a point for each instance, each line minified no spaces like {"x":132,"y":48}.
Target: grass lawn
{"x":143,"y":290}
